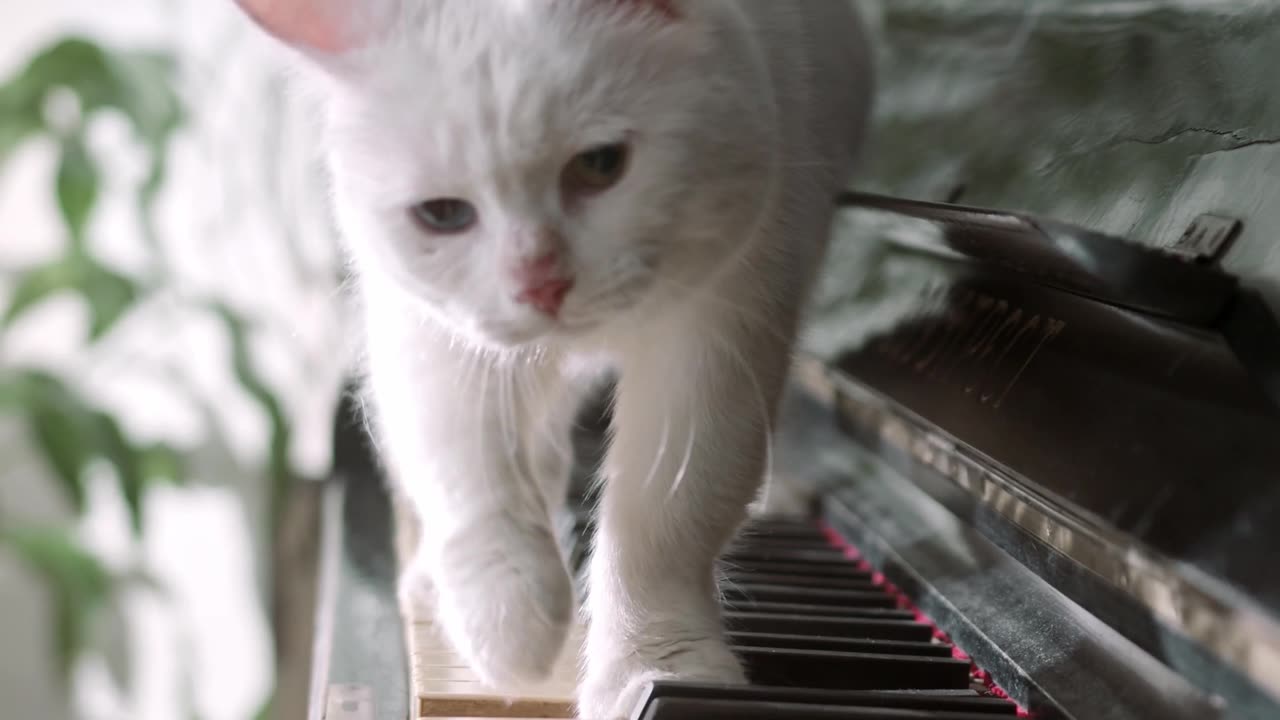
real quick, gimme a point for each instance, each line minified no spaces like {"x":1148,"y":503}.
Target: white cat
{"x":531,"y":191}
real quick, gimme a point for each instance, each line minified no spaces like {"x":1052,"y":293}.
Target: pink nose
{"x":544,"y":282}
{"x":547,"y":296}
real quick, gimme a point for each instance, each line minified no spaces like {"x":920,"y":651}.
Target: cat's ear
{"x":325,"y":27}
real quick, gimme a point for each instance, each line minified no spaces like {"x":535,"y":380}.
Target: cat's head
{"x":528,"y":169}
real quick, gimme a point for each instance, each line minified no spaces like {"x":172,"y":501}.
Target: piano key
{"x":797,"y":532}
{"x":779,"y":525}
{"x":838,"y":625}
{"x":852,"y":671}
{"x":710,"y":709}
{"x":789,"y":610}
{"x":840,"y":644}
{"x":817,"y":582}
{"x":889,"y":628}
{"x":757,"y":547}
{"x":882,"y":613}
{"x":795,"y":558}
{"x":938,"y":700}
{"x":841,"y":569}
{"x":789,"y":539}
{"x":749,"y":588}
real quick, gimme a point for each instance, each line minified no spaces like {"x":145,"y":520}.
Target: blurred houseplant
{"x":55,"y":98}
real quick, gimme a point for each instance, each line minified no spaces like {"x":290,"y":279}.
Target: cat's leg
{"x":449,"y":426}
{"x":694,"y":406}
{"x":552,"y":408}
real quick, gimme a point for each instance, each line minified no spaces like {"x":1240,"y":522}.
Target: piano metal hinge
{"x":1207,"y":239}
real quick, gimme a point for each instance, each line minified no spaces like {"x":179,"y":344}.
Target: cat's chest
{"x":587,"y":366}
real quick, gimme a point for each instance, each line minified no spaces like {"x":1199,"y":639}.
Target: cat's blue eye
{"x":445,"y":215}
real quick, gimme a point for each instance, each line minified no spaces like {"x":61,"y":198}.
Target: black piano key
{"x":819,"y":611}
{"x":817,"y":582}
{"x":783,"y":540}
{"x":966,"y":701}
{"x":852,"y":671}
{"x":750,"y":588}
{"x":893,"y":627}
{"x":708,"y":709}
{"x":784,"y":546}
{"x":885,"y":612}
{"x":839,"y":644}
{"x":794,"y":558}
{"x":781,"y":525}
{"x":841,"y":569}
{"x":800,"y":534}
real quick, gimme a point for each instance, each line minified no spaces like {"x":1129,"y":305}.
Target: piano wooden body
{"x":1029,"y":462}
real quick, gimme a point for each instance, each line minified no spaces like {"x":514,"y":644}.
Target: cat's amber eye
{"x":445,"y":215}
{"x":597,"y":169}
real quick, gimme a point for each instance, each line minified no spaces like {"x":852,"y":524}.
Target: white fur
{"x":691,"y":274}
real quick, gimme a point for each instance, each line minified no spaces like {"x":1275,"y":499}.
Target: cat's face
{"x":520,"y":166}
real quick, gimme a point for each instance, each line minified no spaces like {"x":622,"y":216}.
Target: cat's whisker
{"x":507,"y":426}
{"x":611,"y":288}
{"x":484,"y":436}
{"x":621,"y":291}
{"x":723,"y":585}
{"x":684,"y":464}
{"x":596,"y":314}
{"x":662,"y":450}
{"x":470,"y":369}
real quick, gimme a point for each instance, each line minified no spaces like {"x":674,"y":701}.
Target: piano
{"x":1028,"y":464}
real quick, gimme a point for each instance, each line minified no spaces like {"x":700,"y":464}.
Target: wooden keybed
{"x":444,"y":687}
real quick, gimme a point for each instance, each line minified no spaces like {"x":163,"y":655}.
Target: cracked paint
{"x":1130,"y":118}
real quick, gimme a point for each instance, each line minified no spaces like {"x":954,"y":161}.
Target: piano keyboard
{"x":823,"y":637}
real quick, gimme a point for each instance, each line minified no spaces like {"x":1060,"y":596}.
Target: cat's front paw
{"x":618,"y":670}
{"x":504,"y":598}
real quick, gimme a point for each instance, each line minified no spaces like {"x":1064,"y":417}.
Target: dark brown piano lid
{"x":1103,"y":267}
{"x":1150,"y":426}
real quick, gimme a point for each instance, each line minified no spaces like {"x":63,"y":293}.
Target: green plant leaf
{"x":127,"y":462}
{"x":77,"y":186}
{"x":71,"y":62}
{"x":161,"y":463}
{"x":145,"y":93}
{"x":108,"y":294}
{"x":71,"y":435}
{"x":137,"y":83}
{"x":37,"y":285}
{"x":62,"y":438}
{"x":80,"y":585}
{"x":266,"y":712}
{"x":136,"y":468}
{"x":17,"y":123}
{"x":60,"y":425}
{"x":278,"y":460}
